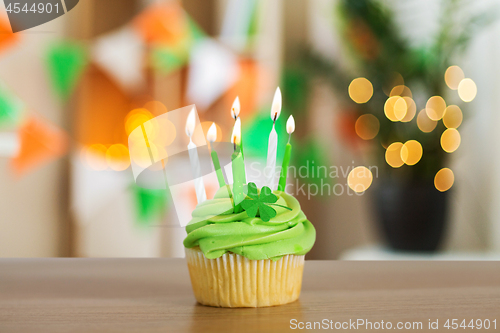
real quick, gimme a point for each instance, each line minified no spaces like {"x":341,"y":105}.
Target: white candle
{"x":201,"y":195}
{"x":273,"y":140}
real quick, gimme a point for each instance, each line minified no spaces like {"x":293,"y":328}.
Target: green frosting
{"x":217,"y":230}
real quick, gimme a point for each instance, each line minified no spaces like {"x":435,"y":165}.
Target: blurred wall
{"x":32,"y":208}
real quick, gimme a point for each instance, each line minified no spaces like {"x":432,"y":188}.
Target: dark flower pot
{"x":412,"y":215}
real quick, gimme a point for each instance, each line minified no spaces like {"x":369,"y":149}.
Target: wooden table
{"x":154,"y":295}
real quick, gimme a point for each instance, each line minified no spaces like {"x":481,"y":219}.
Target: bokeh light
{"x":411,"y":109}
{"x":452,"y":117}
{"x":393,"y":155}
{"x":95,"y":156}
{"x":467,"y":90}
{"x":424,"y":123}
{"x":401,"y":90}
{"x":160,"y":131}
{"x":453,"y":76}
{"x":435,"y":107}
{"x":444,"y":179}
{"x":156,"y":107}
{"x":359,"y":179}
{"x":360,"y":90}
{"x":118,"y":157}
{"x":450,"y":140}
{"x":389,"y":107}
{"x":400,"y":108}
{"x":136,"y":118}
{"x":411,"y":152}
{"x":367,"y":126}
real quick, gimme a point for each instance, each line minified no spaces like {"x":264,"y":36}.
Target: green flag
{"x":150,"y":204}
{"x":11,"y":108}
{"x":66,"y":62}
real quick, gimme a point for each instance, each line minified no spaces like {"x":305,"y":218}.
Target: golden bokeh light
{"x":146,"y":157}
{"x":452,"y":117}
{"x":453,"y":76}
{"x":444,"y":179}
{"x":467,"y":90}
{"x":411,"y":152}
{"x":156,"y":107}
{"x":360,"y":178}
{"x":393,"y":155}
{"x":118,"y":157}
{"x":435,"y":107}
{"x":401,"y":90}
{"x":450,"y":140}
{"x":424,"y":123}
{"x":136,"y":118}
{"x":367,"y":126}
{"x":95,"y":156}
{"x":411,"y":109}
{"x":389,"y":106}
{"x":400,"y":108}
{"x":160,"y":131}
{"x":360,"y":90}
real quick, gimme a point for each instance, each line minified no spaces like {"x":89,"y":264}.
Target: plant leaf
{"x":266,"y":212}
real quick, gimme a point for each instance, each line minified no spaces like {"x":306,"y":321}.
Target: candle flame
{"x":290,"y":125}
{"x":236,"y":136}
{"x":276,"y":107}
{"x":191,"y":122}
{"x":212,"y":133}
{"x":235,"y":109}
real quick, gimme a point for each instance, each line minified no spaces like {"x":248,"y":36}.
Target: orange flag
{"x":245,"y":87}
{"x":7,"y":37}
{"x":41,"y":142}
{"x":163,"y":23}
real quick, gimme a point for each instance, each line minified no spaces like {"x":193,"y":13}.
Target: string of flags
{"x":162,"y":38}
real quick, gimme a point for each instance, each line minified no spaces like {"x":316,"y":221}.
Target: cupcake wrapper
{"x":235,"y":281}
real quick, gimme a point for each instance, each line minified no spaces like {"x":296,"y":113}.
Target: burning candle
{"x":235,"y":113}
{"x":290,"y":128}
{"x":201,"y":195}
{"x":211,"y":137}
{"x":238,"y":165}
{"x":273,"y":140}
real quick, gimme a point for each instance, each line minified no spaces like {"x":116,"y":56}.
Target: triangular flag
{"x":40,"y":143}
{"x":168,"y":58}
{"x":246,"y":88}
{"x":94,"y":190}
{"x":11,"y":108}
{"x":164,"y":23}
{"x":66,"y":62}
{"x":150,"y":203}
{"x":7,"y":37}
{"x":213,"y":70}
{"x":121,"y":55}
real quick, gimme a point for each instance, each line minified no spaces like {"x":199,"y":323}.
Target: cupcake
{"x":251,"y":254}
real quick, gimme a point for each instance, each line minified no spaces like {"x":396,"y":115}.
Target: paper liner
{"x":235,"y":281}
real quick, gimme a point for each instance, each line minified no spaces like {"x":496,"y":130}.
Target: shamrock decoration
{"x":260,"y":204}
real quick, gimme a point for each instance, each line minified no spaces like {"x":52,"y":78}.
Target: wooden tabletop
{"x":154,"y":295}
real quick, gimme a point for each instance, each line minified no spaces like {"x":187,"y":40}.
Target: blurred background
{"x":396,"y":105}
